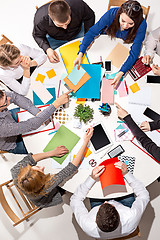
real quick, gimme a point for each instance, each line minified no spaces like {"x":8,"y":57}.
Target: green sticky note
{"x":65,"y":137}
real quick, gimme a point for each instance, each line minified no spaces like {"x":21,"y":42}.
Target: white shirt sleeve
{"x":151,"y":42}
{"x":38,"y":55}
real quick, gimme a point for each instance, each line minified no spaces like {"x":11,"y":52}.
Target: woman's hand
{"x":78,"y":60}
{"x":120,"y":111}
{"x":117,"y":79}
{"x":145,"y":126}
{"x":121,"y":166}
{"x":25,"y":62}
{"x":156,"y":69}
{"x":88,"y":134}
{"x":59,"y":151}
{"x":147,"y":59}
{"x":62,"y":99}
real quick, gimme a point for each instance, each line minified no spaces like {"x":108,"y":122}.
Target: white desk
{"x":143,"y":165}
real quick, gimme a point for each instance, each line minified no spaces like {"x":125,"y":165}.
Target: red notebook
{"x":111,"y":175}
{"x":139,"y":69}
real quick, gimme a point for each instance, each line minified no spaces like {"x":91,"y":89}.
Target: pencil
{"x":59,"y":88}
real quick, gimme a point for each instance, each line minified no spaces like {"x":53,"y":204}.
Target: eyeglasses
{"x":132,"y":6}
{"x":6,"y":103}
{"x":92,"y":162}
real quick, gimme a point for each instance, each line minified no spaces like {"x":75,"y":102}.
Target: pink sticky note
{"x":107,"y":91}
{"x":122,"y":89}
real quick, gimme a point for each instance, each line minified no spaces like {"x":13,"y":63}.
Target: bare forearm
{"x":26,"y":73}
{"x":33,"y":63}
{"x":40,"y":156}
{"x":80,"y":154}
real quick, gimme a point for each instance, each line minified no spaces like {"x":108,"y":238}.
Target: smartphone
{"x":108,"y":65}
{"x":115,"y":152}
{"x":153,"y":79}
{"x":151,"y":114}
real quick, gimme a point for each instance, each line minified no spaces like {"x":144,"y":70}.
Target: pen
{"x":52,"y":132}
{"x":123,"y":132}
{"x":100,"y":58}
{"x":59,"y":88}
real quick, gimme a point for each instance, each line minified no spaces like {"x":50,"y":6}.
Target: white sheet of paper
{"x":136,"y":112}
{"x":41,"y":91}
{"x":141,"y":97}
{"x":25,"y":115}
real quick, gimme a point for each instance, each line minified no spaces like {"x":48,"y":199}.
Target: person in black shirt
{"x":60,"y":21}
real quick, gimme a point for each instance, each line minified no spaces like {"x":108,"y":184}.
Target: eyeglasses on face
{"x":132,"y":6}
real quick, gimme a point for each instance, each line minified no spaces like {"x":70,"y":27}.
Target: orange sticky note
{"x":87,"y":152}
{"x":134,"y":87}
{"x":40,"y":78}
{"x":51,"y":73}
{"x":81,"y":101}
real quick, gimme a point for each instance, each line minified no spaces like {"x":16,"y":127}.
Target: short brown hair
{"x":59,"y":10}
{"x":8,"y":53}
{"x":32,"y":181}
{"x":107,"y":218}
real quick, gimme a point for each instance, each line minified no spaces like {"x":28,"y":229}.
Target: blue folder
{"x":37,"y":100}
{"x":91,"y":89}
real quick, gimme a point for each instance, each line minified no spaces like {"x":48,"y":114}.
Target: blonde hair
{"x":8,"y":53}
{"x":34,"y":182}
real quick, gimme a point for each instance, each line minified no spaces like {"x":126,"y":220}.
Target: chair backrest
{"x":20,"y":200}
{"x":5,"y":40}
{"x":117,"y":3}
{"x":1,"y":153}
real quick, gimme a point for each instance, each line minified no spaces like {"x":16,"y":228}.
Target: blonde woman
{"x":42,"y":189}
{"x":16,"y":66}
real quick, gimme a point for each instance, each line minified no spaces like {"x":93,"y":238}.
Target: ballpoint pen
{"x":123,"y":132}
{"x":52,"y":132}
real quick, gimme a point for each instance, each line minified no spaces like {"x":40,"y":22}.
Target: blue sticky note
{"x":62,"y":77}
{"x":120,"y":127}
{"x":76,"y":75}
{"x":111,"y":76}
{"x":91,"y":89}
{"x":37,"y":100}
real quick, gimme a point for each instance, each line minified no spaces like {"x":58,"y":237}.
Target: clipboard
{"x":21,"y":117}
{"x":143,"y":149}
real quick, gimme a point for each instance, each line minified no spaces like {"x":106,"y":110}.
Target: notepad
{"x":118,"y":55}
{"x":69,"y":53}
{"x":37,"y":100}
{"x":111,"y":176}
{"x":76,"y":75}
{"x":65,"y":137}
{"x":41,"y":91}
{"x":107,"y":91}
{"x":91,"y":89}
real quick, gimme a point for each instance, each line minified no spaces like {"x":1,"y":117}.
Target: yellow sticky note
{"x":134,"y":87}
{"x":51,"y":73}
{"x":40,"y":78}
{"x":81,"y":101}
{"x":87,"y":152}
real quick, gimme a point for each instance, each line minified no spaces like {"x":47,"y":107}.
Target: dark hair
{"x":107,"y":218}
{"x":1,"y":94}
{"x":8,"y":53}
{"x":59,"y":10}
{"x":136,"y":16}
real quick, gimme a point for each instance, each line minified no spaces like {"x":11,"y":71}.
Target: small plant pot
{"x":77,"y":123}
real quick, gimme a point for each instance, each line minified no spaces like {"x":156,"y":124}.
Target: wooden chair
{"x":5,"y":40}
{"x":43,"y":4}
{"x":117,"y":3}
{"x":20,"y":199}
{"x":2,"y":155}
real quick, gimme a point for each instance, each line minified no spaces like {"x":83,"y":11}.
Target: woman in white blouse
{"x":16,"y":64}
{"x":152,"y":46}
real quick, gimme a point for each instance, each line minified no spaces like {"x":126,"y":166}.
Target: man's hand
{"x":121,"y":166}
{"x":147,"y":59}
{"x":62,"y":99}
{"x":59,"y":151}
{"x":52,"y":55}
{"x":120,"y":111}
{"x":117,"y":79}
{"x":25,"y":62}
{"x":97,"y":171}
{"x":78,"y":60}
{"x":145,"y":126}
{"x":156,"y":69}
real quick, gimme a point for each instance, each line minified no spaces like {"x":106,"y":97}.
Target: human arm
{"x":52,"y":55}
{"x":117,"y":79}
{"x":146,"y":142}
{"x":156,"y":69}
{"x":135,"y":48}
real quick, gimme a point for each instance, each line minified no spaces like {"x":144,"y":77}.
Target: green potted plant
{"x":84,"y":113}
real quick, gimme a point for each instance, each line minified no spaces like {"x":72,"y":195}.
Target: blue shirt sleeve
{"x":135,"y":48}
{"x":104,"y":22}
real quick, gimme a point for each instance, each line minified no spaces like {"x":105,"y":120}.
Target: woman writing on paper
{"x":152,"y":46}
{"x":16,"y":66}
{"x":42,"y":189}
{"x":138,"y":132}
{"x":125,"y":22}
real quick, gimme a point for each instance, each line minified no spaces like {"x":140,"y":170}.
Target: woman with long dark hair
{"x":125,"y":22}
